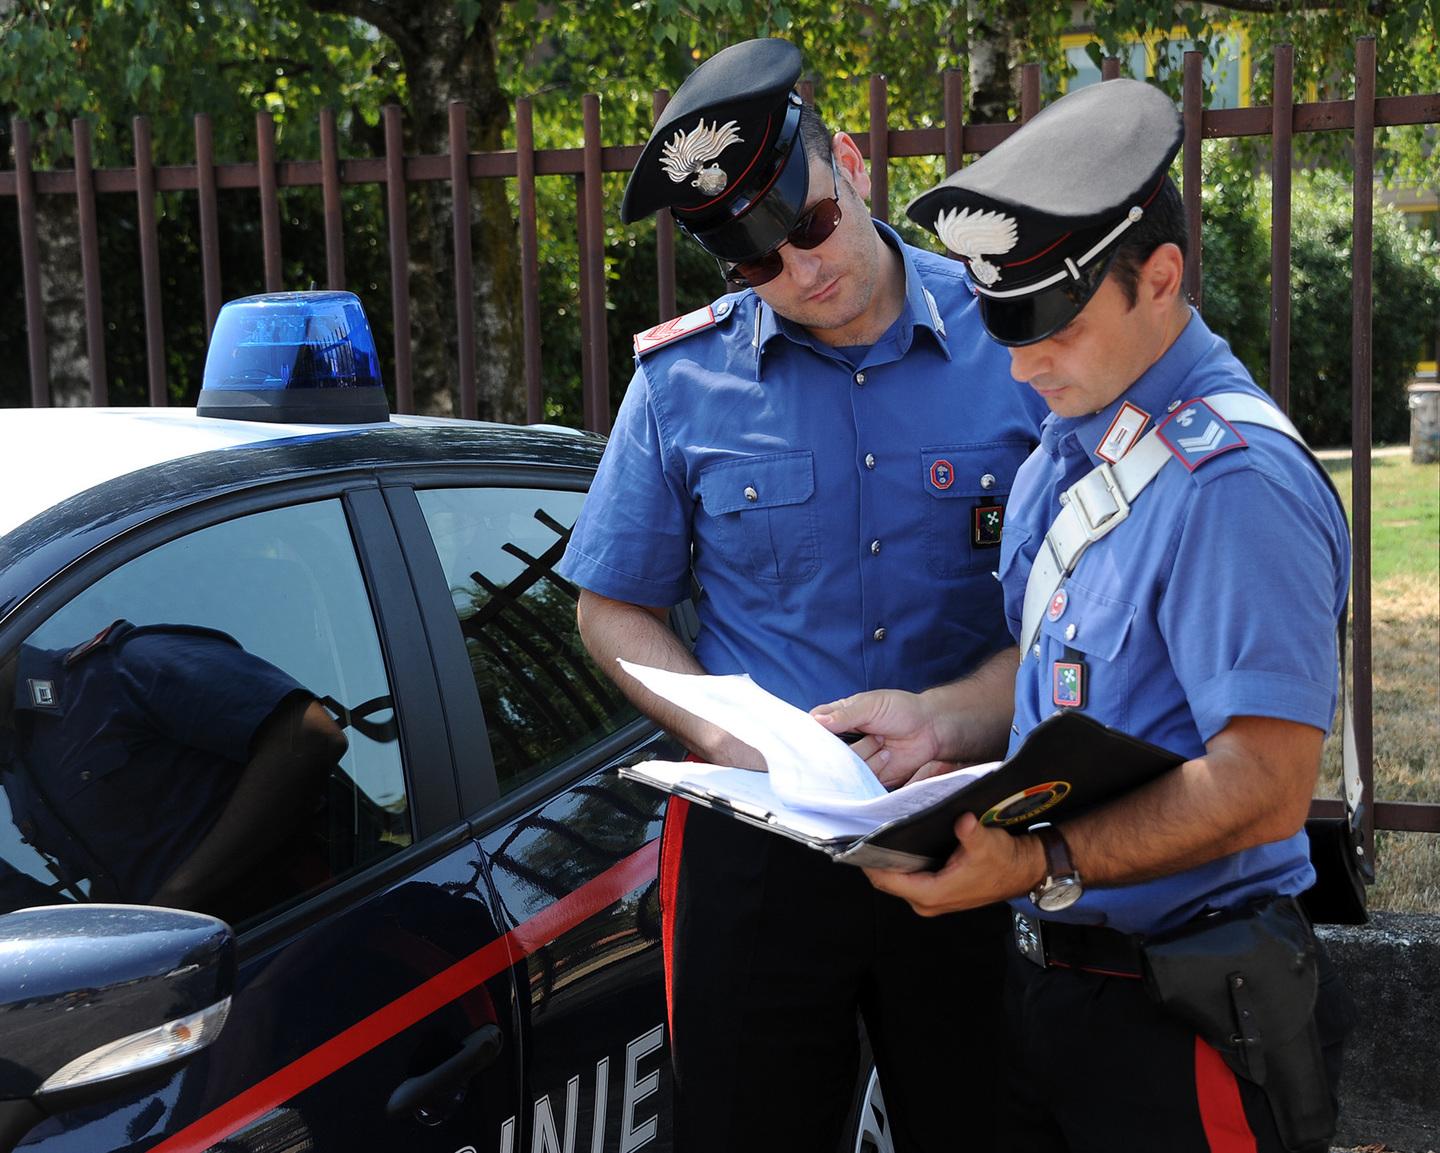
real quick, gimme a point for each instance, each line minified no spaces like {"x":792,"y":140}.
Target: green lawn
{"x":1405,"y":515}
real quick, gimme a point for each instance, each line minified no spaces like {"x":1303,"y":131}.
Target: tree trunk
{"x":447,"y":61}
{"x":992,"y":82}
{"x":63,"y":289}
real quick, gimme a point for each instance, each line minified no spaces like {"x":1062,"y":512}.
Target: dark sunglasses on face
{"x":813,"y":229}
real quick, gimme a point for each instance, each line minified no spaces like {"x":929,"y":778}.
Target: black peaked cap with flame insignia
{"x":725,"y":156}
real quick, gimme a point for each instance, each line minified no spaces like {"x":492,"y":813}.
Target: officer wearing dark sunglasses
{"x":825,"y":454}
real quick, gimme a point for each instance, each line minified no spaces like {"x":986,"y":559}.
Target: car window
{"x":208,"y":726}
{"x":544,"y":699}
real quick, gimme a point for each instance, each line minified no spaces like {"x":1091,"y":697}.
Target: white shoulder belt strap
{"x":1100,"y":500}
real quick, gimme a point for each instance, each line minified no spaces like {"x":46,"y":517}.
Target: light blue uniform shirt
{"x":828,"y":508}
{"x":1217,"y":598}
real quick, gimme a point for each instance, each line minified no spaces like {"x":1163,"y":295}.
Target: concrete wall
{"x":1390,"y":1089}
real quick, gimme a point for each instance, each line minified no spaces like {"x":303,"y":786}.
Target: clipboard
{"x":1069,"y":763}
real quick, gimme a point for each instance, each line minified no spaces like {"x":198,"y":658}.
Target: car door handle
{"x":478,"y":1052}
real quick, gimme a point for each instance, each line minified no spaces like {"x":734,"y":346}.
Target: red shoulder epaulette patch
{"x":93,"y":643}
{"x":674,"y":329}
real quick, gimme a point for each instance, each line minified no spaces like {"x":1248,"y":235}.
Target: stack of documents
{"x":819,"y":792}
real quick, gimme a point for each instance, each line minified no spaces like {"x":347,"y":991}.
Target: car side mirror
{"x":95,"y":999}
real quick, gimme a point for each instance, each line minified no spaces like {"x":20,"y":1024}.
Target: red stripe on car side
{"x":1222,"y":1112}
{"x":670,"y":842}
{"x":591,"y":898}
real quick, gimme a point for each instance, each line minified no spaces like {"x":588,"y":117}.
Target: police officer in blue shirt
{"x":1174,"y":564}
{"x":826,"y":454}
{"x":163,"y":764}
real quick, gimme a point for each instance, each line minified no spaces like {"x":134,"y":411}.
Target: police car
{"x":304,"y":670}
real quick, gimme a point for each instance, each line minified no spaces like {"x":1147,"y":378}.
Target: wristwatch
{"x":1062,"y":886}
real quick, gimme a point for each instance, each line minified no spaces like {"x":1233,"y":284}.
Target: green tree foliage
{"x":109,"y":60}
{"x":1324,"y":35}
{"x":1406,"y":296}
{"x":112,"y":60}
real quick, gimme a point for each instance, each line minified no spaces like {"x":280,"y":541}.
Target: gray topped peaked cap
{"x":1038,"y":218}
{"x":725,"y":156}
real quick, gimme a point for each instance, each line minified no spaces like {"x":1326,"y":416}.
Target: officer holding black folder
{"x":1174,"y":564}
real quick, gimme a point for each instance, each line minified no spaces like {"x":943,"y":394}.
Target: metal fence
{"x":1360,"y":116}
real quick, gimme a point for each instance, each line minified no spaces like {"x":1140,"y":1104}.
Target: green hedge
{"x":1236,"y":268}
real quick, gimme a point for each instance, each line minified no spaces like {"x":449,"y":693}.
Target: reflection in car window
{"x":544,"y":699}
{"x":209,"y":726}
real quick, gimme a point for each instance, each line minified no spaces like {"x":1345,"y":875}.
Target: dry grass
{"x":1406,"y":631}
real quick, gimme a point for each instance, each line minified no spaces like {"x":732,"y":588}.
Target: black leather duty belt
{"x":1054,"y":944}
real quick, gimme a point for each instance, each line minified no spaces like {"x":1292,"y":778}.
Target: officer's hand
{"x":988,"y":865}
{"x":900,"y":742}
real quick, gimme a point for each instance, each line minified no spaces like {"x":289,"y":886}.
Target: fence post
{"x":594,"y":301}
{"x":330,"y":197}
{"x":398,"y":225}
{"x":30,"y":267}
{"x":209,"y":220}
{"x":664,"y":235}
{"x":1282,"y":119}
{"x":954,"y":120}
{"x":269,"y":201}
{"x":464,"y":273}
{"x":90,"y":262}
{"x":1193,"y":102}
{"x":582,"y":245}
{"x":529,"y":256}
{"x":1362,"y":237}
{"x":955,"y":79}
{"x":150,"y":264}
{"x":879,"y":150}
{"x":1029,"y":92}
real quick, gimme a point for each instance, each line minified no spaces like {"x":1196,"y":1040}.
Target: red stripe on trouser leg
{"x":1222,"y":1113}
{"x":670,"y":841}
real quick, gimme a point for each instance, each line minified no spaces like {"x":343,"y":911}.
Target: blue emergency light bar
{"x":294,"y":357}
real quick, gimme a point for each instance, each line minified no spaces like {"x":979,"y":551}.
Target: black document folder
{"x":1068,"y":763}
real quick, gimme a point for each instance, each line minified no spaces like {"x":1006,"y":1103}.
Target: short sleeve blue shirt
{"x":841,"y":517}
{"x":137,"y":740}
{"x":1217,"y":598}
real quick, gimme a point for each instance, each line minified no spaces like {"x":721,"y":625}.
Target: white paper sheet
{"x":808,"y":763}
{"x":816,"y":784}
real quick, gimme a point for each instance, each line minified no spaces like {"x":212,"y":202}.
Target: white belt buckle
{"x":1094,"y":526}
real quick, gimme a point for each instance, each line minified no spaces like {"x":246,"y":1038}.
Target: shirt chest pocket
{"x":966,"y":488}
{"x":760,"y":516}
{"x":95,"y":773}
{"x":1083,"y":638}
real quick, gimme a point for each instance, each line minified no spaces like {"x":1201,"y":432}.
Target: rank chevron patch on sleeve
{"x":1195,"y":433}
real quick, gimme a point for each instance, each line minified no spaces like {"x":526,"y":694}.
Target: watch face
{"x":1061,"y":893}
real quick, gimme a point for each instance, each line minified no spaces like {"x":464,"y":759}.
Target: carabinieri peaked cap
{"x":1038,"y":218}
{"x":725,"y":156}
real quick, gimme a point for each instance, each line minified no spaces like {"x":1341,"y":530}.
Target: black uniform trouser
{"x":1095,"y":1066}
{"x":771,"y":950}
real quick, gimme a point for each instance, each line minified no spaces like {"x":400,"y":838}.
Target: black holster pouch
{"x":1245,"y":980}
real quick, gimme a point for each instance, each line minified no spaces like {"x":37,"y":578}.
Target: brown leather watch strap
{"x":1057,"y":852}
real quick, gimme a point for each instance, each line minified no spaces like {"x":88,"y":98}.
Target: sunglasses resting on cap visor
{"x":813,"y":229}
